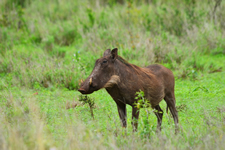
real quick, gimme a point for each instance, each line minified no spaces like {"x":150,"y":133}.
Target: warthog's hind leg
{"x":170,"y":100}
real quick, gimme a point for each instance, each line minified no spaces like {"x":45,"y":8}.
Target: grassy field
{"x":47,"y":47}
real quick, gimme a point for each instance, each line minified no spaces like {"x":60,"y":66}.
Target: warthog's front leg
{"x":159,"y":114}
{"x":122,"y":113}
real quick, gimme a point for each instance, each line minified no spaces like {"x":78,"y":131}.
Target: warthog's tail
{"x":167,"y":109}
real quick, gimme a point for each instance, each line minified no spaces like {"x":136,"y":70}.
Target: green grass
{"x":45,"y":120}
{"x":48,"y":47}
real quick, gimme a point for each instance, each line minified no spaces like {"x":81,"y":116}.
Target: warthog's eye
{"x":104,"y":61}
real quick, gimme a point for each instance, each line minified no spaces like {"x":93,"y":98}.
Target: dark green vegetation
{"x":47,"y":47}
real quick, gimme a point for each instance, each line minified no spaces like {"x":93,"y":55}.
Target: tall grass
{"x":145,"y":32}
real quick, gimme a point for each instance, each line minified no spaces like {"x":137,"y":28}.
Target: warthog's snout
{"x":87,"y":87}
{"x":81,"y":90}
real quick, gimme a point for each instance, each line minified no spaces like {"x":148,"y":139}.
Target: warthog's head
{"x":103,"y":74}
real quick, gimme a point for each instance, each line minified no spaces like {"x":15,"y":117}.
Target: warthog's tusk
{"x":90,"y":82}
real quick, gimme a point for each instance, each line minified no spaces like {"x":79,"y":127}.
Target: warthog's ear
{"x":107,"y":52}
{"x":114,"y":53}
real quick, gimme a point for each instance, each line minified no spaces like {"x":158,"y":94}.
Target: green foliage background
{"x":48,"y":47}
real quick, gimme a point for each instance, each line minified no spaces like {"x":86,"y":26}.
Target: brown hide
{"x":122,"y":80}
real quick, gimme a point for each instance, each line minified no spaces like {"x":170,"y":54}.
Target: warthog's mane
{"x":132,"y":66}
{"x":135,"y":68}
{"x":121,"y":59}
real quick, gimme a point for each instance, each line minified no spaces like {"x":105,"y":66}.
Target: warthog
{"x":122,"y":80}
